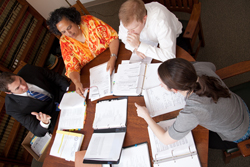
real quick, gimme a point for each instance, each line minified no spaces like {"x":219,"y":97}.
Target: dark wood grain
{"x":137,"y":131}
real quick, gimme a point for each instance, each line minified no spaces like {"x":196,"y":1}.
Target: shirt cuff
{"x":142,"y":48}
{"x":46,"y":126}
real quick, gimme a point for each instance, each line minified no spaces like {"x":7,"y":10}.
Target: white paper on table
{"x":160,"y":101}
{"x":135,"y":59}
{"x":72,"y":118}
{"x":135,"y":156}
{"x":105,"y":146}
{"x":184,"y":148}
{"x":129,"y":79}
{"x":100,"y":82}
{"x":151,"y":77}
{"x":66,"y":144}
{"x":72,"y":99}
{"x":110,"y":114}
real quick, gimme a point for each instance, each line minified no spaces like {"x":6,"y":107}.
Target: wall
{"x":44,"y":7}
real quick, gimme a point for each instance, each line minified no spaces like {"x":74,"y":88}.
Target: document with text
{"x":160,"y":101}
{"x":177,"y":154}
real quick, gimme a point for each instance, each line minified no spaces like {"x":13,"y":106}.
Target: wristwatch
{"x":113,"y":55}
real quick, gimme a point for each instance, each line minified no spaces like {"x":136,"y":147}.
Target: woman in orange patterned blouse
{"x":82,"y":39}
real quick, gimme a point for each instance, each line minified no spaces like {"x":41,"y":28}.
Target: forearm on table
{"x":114,"y":46}
{"x":162,"y":54}
{"x":75,"y":77}
{"x":159,"y":132}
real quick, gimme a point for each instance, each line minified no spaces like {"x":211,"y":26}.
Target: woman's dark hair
{"x":56,"y":16}
{"x":180,"y":74}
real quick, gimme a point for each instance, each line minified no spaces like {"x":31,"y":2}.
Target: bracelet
{"x":113,"y":55}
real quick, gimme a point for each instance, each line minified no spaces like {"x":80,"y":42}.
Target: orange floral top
{"x":98,"y":36}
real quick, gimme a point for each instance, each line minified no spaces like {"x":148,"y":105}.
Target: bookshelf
{"x":23,"y":35}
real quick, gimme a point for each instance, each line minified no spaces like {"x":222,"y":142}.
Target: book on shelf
{"x":73,"y":111}
{"x":160,"y":101}
{"x":66,"y":144}
{"x":39,"y":144}
{"x":109,"y":132}
{"x":129,"y":80}
{"x":178,"y":154}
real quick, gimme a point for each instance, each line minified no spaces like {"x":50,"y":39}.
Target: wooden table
{"x":137,"y":131}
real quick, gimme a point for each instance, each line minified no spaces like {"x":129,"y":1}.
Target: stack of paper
{"x":66,"y":144}
{"x":38,"y":144}
{"x":73,"y":108}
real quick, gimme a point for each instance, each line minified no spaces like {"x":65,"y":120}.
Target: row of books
{"x":6,"y":124}
{"x":38,"y":47}
{"x":9,"y":11}
{"x":16,"y":49}
{"x":19,"y":41}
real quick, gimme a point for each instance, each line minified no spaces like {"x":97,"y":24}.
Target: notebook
{"x":179,"y":154}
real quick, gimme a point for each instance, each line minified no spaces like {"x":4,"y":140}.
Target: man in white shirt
{"x":144,"y":27}
{"x":32,"y":97}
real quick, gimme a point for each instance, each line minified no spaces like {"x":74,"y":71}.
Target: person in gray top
{"x":209,"y":103}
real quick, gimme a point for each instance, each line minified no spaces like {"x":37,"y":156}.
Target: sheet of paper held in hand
{"x":73,"y":108}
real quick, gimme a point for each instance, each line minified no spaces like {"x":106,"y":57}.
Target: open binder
{"x":179,"y":154}
{"x":129,"y":80}
{"x":109,"y":132}
{"x":135,"y":155}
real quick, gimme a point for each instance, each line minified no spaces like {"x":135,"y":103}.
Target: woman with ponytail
{"x":209,"y":103}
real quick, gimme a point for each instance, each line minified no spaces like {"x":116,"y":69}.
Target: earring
{"x":78,"y":26}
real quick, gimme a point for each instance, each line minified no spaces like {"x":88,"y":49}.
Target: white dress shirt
{"x":162,"y":27}
{"x":40,"y":90}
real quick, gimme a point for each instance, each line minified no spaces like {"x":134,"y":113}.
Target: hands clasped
{"x":133,"y":40}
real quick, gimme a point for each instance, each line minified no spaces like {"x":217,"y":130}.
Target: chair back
{"x":80,"y":8}
{"x":177,"y":5}
{"x":180,"y":5}
{"x":242,"y":90}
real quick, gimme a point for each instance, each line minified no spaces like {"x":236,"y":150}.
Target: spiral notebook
{"x":109,"y":132}
{"x":179,"y":154}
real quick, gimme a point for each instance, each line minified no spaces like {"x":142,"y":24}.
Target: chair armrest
{"x":234,"y":69}
{"x":244,"y":147}
{"x":193,"y":21}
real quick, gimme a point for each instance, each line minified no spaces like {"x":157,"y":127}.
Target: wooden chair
{"x":243,"y":90}
{"x":193,"y":30}
{"x":80,"y":8}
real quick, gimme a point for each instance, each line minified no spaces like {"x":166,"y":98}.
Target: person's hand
{"x":42,"y":117}
{"x":79,"y":89}
{"x":111,"y":64}
{"x":133,"y":40}
{"x":142,"y":111}
{"x":140,"y":54}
